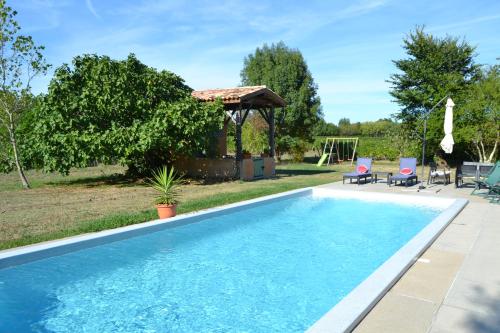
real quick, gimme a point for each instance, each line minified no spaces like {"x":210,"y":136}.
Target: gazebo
{"x":238,"y":103}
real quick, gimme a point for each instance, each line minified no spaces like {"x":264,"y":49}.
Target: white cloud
{"x":293,"y":24}
{"x":90,"y":7}
{"x":463,"y":24}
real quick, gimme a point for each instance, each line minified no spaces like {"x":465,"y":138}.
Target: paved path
{"x":455,"y":286}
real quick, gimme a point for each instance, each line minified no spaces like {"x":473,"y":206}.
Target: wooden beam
{"x":264,"y":115}
{"x":245,"y":116}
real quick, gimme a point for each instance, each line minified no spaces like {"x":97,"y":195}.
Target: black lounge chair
{"x":362,"y":163}
{"x":407,"y":171}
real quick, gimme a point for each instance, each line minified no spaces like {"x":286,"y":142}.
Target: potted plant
{"x":167,"y":184}
{"x":246,"y":154}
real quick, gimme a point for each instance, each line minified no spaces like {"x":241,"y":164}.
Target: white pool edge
{"x":349,"y":312}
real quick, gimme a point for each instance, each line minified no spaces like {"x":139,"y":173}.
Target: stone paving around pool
{"x":455,"y":285}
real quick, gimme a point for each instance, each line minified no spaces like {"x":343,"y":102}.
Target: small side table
{"x":385,"y":174}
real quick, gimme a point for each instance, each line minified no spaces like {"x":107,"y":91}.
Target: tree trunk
{"x":479,"y":152}
{"x":20,"y":170}
{"x":494,"y":150}
{"x":484,"y":151}
{"x":492,"y":155}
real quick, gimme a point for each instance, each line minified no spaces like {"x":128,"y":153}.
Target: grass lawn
{"x":99,"y":198}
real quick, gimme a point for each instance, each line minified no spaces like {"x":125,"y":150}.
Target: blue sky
{"x":348,"y":45}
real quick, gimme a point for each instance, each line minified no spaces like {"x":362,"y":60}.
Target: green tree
{"x":479,"y":119}
{"x":348,"y":129}
{"x":435,"y":67}
{"x":20,"y":61}
{"x":285,"y":71}
{"x":323,"y":128}
{"x":120,"y":111}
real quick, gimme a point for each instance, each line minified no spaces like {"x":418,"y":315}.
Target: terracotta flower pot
{"x":166,"y":211}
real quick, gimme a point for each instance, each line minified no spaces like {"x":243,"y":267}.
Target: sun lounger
{"x":363,"y":171}
{"x":407,"y":172}
{"x":491,"y":182}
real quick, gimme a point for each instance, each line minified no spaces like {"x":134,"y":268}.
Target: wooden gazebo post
{"x":271,"y":132}
{"x":237,"y":140}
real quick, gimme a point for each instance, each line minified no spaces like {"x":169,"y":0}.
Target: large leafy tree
{"x":479,"y":119}
{"x":285,"y":71}
{"x":434,"y":67}
{"x":20,"y":61}
{"x":119,"y":111}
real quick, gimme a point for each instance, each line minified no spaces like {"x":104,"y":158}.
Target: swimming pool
{"x":277,"y":264}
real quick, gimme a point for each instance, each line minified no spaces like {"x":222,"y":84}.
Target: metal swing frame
{"x":332,"y":142}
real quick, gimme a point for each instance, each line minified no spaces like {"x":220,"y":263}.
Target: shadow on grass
{"x":311,"y":159}
{"x":301,"y":172}
{"x":96,"y":181}
{"x":284,"y":169}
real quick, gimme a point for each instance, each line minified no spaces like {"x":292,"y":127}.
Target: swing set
{"x":338,"y":150}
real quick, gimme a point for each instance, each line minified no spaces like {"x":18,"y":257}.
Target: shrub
{"x":254,"y":135}
{"x":298,"y":148}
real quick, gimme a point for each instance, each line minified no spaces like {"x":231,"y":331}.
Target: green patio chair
{"x":495,"y":194}
{"x":491,"y":182}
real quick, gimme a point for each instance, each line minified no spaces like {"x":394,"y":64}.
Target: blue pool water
{"x":276,"y":267}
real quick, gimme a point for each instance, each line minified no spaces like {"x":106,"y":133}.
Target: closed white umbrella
{"x":447,"y":142}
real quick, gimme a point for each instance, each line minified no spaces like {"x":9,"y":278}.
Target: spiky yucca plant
{"x":167,"y":183}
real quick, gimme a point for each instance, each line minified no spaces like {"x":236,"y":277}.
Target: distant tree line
{"x":378,"y":128}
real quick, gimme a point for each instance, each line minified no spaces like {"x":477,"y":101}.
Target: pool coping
{"x":346,"y":314}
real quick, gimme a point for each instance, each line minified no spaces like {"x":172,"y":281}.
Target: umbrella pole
{"x":421,"y":187}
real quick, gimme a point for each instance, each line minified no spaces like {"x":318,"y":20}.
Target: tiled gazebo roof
{"x":256,"y":96}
